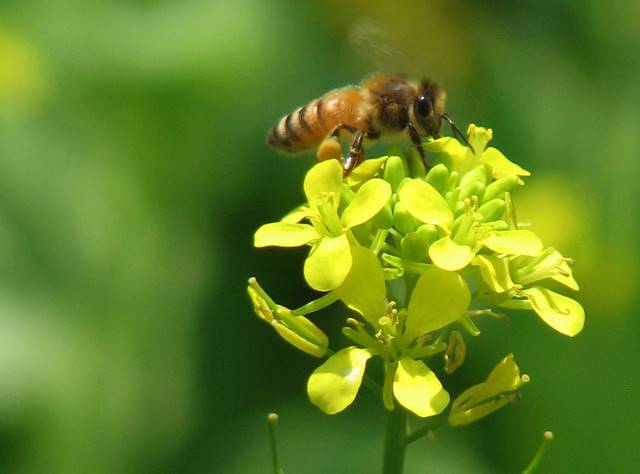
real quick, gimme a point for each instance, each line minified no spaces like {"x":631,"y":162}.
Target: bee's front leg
{"x":415,"y":138}
{"x":356,"y":153}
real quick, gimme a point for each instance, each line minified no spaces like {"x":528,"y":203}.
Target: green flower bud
{"x":363,"y":232}
{"x":428,"y":233}
{"x":462,"y":228}
{"x":415,"y":164}
{"x":438,"y":177}
{"x":451,"y":197}
{"x":453,"y":180}
{"x":298,"y":331}
{"x":459,"y":209}
{"x":316,"y":347}
{"x":403,"y":220}
{"x":346,"y":196}
{"x":384,"y":218}
{"x":475,"y":188}
{"x":480,"y":174}
{"x":500,"y":186}
{"x":492,"y":210}
{"x":414,"y":247}
{"x":394,"y":172}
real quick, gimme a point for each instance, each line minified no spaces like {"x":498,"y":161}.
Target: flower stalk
{"x":394,"y":444}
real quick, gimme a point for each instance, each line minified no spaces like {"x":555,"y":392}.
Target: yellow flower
{"x":439,"y":298}
{"x":328,"y":233}
{"x":463,"y":159}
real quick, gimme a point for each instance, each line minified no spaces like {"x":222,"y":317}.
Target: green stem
{"x":547,"y":437}
{"x":394,"y":444}
{"x":378,"y":241}
{"x":432,"y":425}
{"x":272,"y":419}
{"x":316,"y":305}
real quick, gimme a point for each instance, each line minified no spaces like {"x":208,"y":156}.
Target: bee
{"x":383,"y":106}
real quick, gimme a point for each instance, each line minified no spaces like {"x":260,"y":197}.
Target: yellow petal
{"x":324,"y":181}
{"x":514,"y":242}
{"x":328,"y":264}
{"x":364,"y":288}
{"x":365,"y":171}
{"x":438,"y":299}
{"x":562,"y":313}
{"x":425,"y":203}
{"x":478,"y":137}
{"x":334,"y":385}
{"x":482,"y":399}
{"x":566,"y":277}
{"x":447,"y":145}
{"x":500,"y":165}
{"x":449,"y":255}
{"x":297,"y":214}
{"x":494,"y":272}
{"x":367,"y":202}
{"x":418,"y":389}
{"x":283,"y":234}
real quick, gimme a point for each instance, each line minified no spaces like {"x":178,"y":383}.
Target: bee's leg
{"x":415,"y":139}
{"x":356,"y":153}
{"x":456,"y":131}
{"x":330,"y":147}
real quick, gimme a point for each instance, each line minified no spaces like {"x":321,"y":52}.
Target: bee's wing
{"x":375,"y":48}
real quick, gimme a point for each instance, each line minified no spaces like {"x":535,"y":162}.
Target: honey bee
{"x":382,"y":106}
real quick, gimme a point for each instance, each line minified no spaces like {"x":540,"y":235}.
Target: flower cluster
{"x":416,"y":255}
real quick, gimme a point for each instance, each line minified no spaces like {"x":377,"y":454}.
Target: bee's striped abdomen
{"x":302,"y":129}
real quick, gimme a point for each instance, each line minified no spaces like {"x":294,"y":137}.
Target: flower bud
{"x":428,"y":233}
{"x":301,"y":333}
{"x":438,"y":176}
{"x":451,"y":197}
{"x":492,"y":210}
{"x":260,"y":305}
{"x":453,"y":180}
{"x":499,"y":187}
{"x":414,"y":247}
{"x":346,"y":196}
{"x":475,"y":188}
{"x":394,"y":172}
{"x":384,"y":218}
{"x":479,"y":174}
{"x":298,"y":331}
{"x":403,"y":220}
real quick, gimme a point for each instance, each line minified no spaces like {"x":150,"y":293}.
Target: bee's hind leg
{"x":356,"y":153}
{"x":415,"y":139}
{"x":330,"y":147}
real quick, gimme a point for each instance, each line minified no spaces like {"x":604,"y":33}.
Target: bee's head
{"x":428,"y":108}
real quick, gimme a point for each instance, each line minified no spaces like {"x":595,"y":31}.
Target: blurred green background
{"x":133,"y":172}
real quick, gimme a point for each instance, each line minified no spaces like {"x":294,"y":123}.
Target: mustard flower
{"x":517,"y":283}
{"x":439,"y":299}
{"x":328,"y":232}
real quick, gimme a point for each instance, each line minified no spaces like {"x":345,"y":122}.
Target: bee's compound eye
{"x":423,"y":106}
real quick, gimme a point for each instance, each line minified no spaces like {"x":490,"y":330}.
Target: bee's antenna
{"x":456,"y":131}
